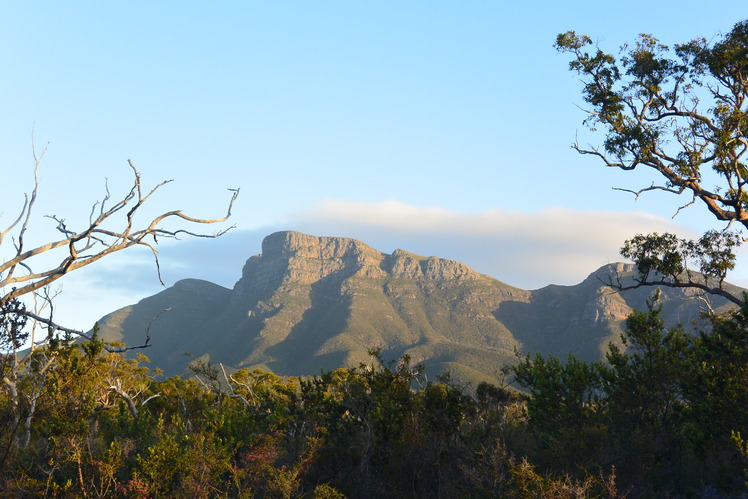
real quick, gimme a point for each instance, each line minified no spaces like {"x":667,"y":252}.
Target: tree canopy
{"x":681,"y":112}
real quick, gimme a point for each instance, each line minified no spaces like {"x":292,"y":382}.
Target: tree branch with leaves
{"x":669,"y":261}
{"x":682,"y":112}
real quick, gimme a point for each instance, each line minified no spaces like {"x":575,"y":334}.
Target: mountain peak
{"x":612,"y":271}
{"x":304,"y":245}
{"x":404,"y":264}
{"x":320,"y":256}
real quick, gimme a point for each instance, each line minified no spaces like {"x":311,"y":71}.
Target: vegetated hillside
{"x":317,"y":303}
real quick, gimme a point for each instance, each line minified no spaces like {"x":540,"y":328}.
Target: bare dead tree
{"x":111,"y":227}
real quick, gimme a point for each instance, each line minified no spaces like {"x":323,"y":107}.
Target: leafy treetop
{"x":681,"y":112}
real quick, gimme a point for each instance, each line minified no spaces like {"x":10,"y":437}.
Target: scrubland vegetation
{"x":666,"y":418}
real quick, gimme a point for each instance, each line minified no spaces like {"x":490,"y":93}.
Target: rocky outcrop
{"x":304,"y":259}
{"x":406,"y":265}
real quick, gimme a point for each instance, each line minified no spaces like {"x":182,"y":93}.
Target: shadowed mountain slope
{"x":309,"y":303}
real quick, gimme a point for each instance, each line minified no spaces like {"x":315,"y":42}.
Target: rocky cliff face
{"x":308,"y":303}
{"x":302,"y":260}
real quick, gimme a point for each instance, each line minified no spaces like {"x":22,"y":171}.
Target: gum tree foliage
{"x":666,"y":260}
{"x":682,"y":113}
{"x":668,"y":411}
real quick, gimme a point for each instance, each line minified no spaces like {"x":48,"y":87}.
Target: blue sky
{"x":438,"y":127}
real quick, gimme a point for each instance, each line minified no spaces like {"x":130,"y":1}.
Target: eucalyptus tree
{"x":682,"y":113}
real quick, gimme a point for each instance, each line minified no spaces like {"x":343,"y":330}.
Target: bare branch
{"x":154,"y":396}
{"x":80,"y":334}
{"x":650,"y":188}
{"x":117,"y":388}
{"x":94,"y":242}
{"x":148,"y":330}
{"x":690,"y":203}
{"x":20,"y":217}
{"x":719,"y":291}
{"x":232,"y":393}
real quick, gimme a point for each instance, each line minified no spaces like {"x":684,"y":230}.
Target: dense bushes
{"x":665,"y":417}
{"x":665,"y":412}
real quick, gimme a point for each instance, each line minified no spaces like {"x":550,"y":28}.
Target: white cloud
{"x":524,"y":249}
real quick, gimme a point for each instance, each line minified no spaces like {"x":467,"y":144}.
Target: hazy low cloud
{"x":524,"y":249}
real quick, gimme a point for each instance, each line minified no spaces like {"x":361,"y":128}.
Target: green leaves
{"x":728,"y":60}
{"x":674,"y":111}
{"x":12,"y":323}
{"x":572,"y":42}
{"x":664,"y":411}
{"x":561,"y":395}
{"x":665,"y":256}
{"x":656,"y":253}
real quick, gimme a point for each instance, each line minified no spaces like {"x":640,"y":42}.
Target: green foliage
{"x":561,"y":395}
{"x":662,"y":417}
{"x":663,"y":412}
{"x":681,"y":113}
{"x":651,"y":107}
{"x":12,"y":323}
{"x":654,"y":253}
{"x":742,"y":447}
{"x":666,"y":256}
{"x":643,"y":384}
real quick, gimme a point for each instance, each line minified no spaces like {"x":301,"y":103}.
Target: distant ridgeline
{"x":318,"y":303}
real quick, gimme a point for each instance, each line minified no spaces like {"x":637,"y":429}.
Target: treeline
{"x":667,"y":417}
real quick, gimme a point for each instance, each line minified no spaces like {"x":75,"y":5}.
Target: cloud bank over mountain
{"x":528,"y":249}
{"x":523,"y":248}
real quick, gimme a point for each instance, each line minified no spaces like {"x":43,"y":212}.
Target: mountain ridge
{"x":309,"y":303}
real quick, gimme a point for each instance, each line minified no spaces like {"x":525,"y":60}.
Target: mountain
{"x":317,"y":303}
